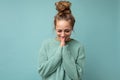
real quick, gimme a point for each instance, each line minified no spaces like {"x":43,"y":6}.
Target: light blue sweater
{"x":61,"y":63}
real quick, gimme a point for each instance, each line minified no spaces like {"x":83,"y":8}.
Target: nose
{"x":63,"y":34}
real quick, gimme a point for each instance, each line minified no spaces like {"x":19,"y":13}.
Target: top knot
{"x":63,"y":7}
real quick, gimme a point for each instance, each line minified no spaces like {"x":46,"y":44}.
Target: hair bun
{"x":63,"y":7}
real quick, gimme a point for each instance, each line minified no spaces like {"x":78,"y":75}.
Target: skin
{"x":63,"y":31}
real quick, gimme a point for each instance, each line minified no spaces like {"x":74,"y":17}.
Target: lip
{"x":62,"y":37}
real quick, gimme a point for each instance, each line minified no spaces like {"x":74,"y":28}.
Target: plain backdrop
{"x":24,"y":24}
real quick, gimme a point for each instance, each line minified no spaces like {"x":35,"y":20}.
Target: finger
{"x":63,"y":39}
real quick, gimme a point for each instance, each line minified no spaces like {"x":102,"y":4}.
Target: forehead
{"x":63,"y":24}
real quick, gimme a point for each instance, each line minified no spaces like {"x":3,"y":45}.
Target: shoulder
{"x":79,"y":46}
{"x":77,"y":43}
{"x":48,"y":41}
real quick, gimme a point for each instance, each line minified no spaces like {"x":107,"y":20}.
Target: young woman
{"x":62,"y":58}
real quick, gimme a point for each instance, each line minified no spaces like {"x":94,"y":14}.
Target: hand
{"x":62,"y":41}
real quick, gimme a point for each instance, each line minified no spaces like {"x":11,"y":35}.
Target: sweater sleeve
{"x":48,"y":66}
{"x":73,"y":68}
{"x":80,"y":62}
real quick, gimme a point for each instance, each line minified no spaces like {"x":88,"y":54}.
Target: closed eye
{"x":67,"y":31}
{"x":59,"y":31}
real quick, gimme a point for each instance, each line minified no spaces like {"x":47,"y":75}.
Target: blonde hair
{"x":64,"y":12}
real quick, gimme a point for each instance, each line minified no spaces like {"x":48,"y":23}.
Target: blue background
{"x":24,"y":24}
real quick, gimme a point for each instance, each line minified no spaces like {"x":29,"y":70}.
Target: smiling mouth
{"x":62,"y":36}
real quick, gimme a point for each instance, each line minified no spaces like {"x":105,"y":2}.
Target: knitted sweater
{"x":61,"y":63}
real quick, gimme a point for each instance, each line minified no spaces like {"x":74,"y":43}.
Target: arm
{"x":80,"y":62}
{"x":48,"y":66}
{"x":72,"y":68}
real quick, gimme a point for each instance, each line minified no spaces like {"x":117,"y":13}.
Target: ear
{"x":56,"y":3}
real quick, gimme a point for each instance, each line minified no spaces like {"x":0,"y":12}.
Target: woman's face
{"x":63,"y":29}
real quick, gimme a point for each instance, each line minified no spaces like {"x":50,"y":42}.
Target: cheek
{"x":58,"y":34}
{"x":68,"y":34}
